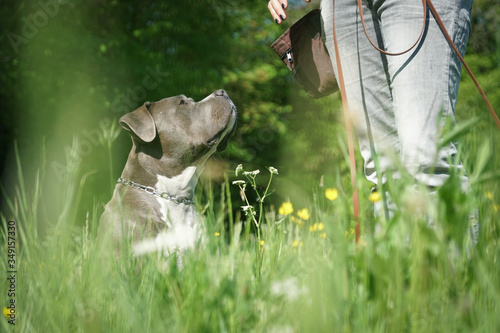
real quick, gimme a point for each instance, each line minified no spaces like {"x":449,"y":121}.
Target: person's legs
{"x":397,"y":100}
{"x":424,"y":82}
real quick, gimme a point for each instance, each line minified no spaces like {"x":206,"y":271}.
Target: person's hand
{"x":277,"y":9}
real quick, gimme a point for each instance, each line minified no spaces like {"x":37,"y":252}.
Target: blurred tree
{"x":67,"y":65}
{"x":485,"y":36}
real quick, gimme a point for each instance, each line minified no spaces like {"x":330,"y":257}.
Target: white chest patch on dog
{"x":182,"y":185}
{"x":181,"y":219}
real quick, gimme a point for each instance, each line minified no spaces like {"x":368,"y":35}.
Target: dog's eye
{"x":182,"y":102}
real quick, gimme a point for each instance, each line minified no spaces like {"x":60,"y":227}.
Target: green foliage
{"x":485,"y":38}
{"x":74,"y":69}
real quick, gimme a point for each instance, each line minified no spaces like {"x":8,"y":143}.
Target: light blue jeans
{"x":398,"y":103}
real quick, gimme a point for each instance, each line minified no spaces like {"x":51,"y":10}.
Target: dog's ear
{"x":140,"y":123}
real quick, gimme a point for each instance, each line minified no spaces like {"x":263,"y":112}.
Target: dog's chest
{"x":175,"y":213}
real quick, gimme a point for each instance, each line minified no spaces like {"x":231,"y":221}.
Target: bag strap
{"x":348,"y":125}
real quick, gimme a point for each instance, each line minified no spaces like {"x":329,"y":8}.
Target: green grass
{"x":273,"y":273}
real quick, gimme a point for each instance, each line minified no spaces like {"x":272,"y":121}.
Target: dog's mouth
{"x":221,"y":138}
{"x":213,"y":140}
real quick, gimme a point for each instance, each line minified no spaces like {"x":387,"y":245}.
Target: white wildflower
{"x":249,"y":210}
{"x":252,"y":173}
{"x":245,"y":208}
{"x":239,"y":168}
{"x":273,"y":170}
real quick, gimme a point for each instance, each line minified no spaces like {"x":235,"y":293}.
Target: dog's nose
{"x":221,"y":93}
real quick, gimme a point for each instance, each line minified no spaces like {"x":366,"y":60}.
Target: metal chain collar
{"x":153,"y":191}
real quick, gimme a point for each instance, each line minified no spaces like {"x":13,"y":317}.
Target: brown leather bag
{"x":302,"y":49}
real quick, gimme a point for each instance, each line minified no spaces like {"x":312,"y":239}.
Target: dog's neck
{"x":182,"y":185}
{"x":164,"y":174}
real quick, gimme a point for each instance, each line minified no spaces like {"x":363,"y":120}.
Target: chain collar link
{"x":153,"y":191}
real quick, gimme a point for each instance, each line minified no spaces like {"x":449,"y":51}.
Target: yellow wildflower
{"x":488,"y":195}
{"x":7,"y":313}
{"x":286,"y":208}
{"x":322,"y":235}
{"x":347,"y":233}
{"x":304,"y":214}
{"x":299,"y":222}
{"x":316,"y":227}
{"x":496,"y":207}
{"x":331,"y":194}
{"x":296,"y":243}
{"x":375,"y":196}
{"x":261,"y":243}
{"x":216,"y":234}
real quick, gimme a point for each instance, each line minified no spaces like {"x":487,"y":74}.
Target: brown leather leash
{"x":360,"y":8}
{"x":340,"y":81}
{"x":350,"y":142}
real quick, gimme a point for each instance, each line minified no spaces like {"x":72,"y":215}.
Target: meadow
{"x":264,"y":268}
{"x":285,"y":263}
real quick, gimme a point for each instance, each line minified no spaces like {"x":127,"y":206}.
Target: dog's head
{"x":181,"y":129}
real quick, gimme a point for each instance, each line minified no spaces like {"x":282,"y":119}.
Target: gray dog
{"x":172,"y":139}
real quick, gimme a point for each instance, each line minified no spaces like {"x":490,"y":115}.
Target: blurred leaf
{"x":482,"y":157}
{"x":457,"y":131}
